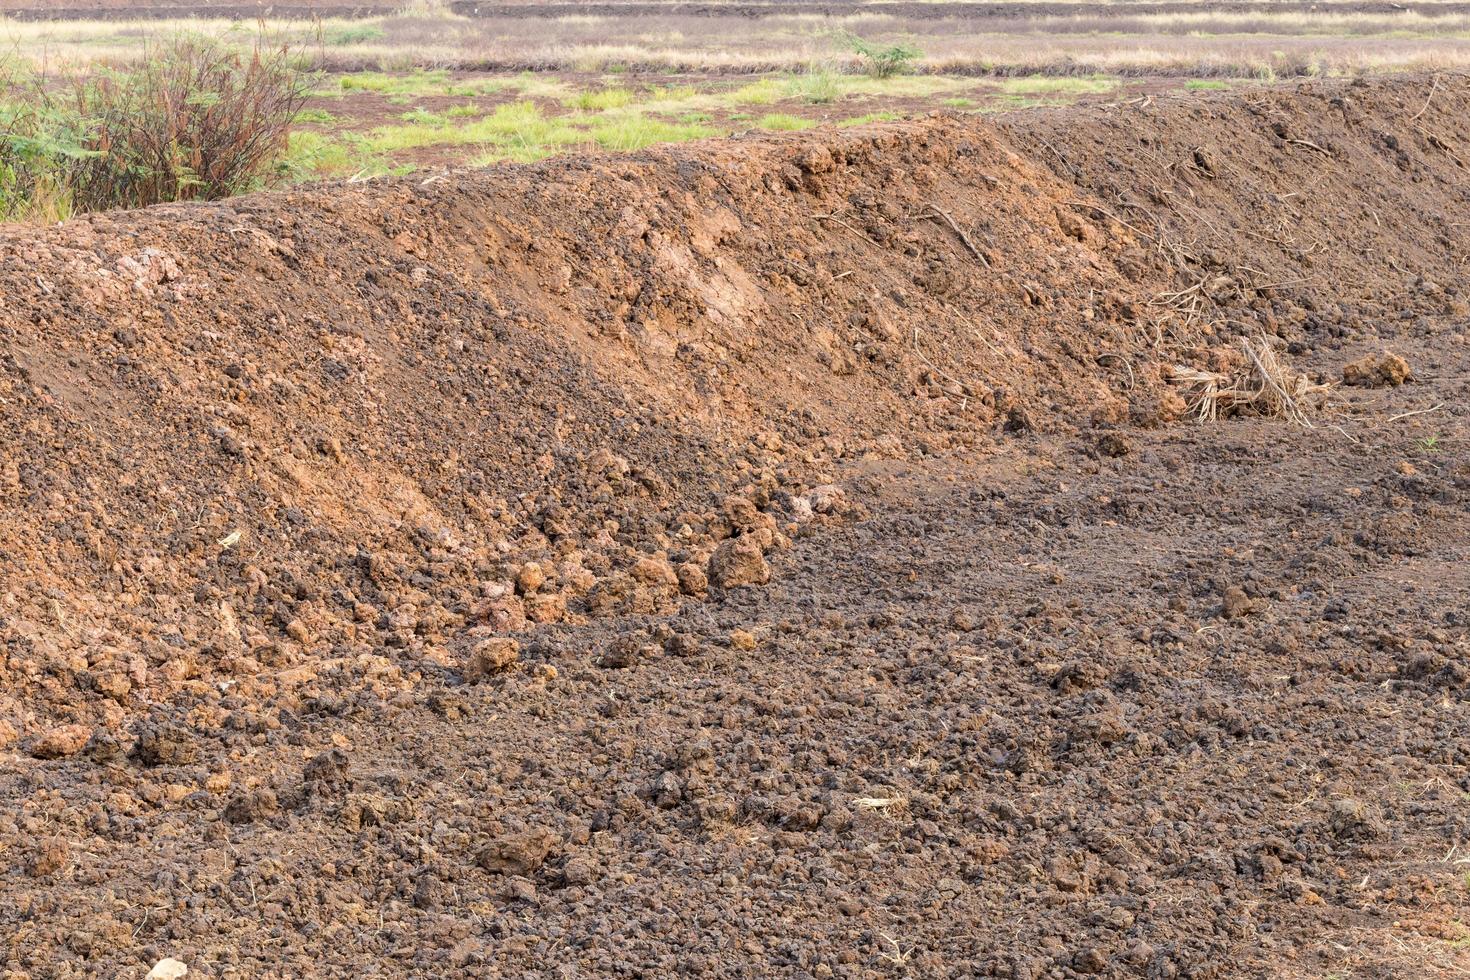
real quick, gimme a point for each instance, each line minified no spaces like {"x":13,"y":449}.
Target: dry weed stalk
{"x":1265,"y":386}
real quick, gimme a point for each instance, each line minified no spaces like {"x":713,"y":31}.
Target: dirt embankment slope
{"x":304,"y":427}
{"x":1102,"y":693}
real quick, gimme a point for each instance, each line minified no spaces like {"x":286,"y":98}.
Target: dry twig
{"x":936,"y":214}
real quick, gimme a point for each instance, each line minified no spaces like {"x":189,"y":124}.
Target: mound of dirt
{"x":597,"y":443}
{"x":317,"y":426}
{"x":309,"y":427}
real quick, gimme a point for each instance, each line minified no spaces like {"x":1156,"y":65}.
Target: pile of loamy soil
{"x":335,"y":426}
{"x":279,"y":471}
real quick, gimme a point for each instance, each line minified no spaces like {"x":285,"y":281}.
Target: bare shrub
{"x":193,"y":120}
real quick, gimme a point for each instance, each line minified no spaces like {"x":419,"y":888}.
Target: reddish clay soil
{"x":771,"y":556}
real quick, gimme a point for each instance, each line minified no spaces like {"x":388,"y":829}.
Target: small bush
{"x":39,"y":145}
{"x":884,"y":62}
{"x":192,"y":120}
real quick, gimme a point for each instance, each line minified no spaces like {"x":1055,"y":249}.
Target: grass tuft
{"x":784,"y":122}
{"x":638,"y":132}
{"x":601,"y":100}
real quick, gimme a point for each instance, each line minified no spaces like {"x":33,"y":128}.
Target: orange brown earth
{"x":772,"y":556}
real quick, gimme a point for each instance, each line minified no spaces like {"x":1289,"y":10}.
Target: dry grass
{"x":1265,"y":386}
{"x":1113,"y":40}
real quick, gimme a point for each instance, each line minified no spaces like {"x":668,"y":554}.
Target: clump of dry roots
{"x":1264,"y":386}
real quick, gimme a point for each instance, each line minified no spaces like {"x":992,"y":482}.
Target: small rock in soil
{"x":692,"y":579}
{"x":627,"y":651}
{"x":168,"y":745}
{"x":655,"y":571}
{"x":578,"y":871}
{"x":327,"y":772}
{"x":1114,"y":445}
{"x":518,"y":890}
{"x":167,"y":968}
{"x":546,"y":607}
{"x":530,"y":578}
{"x":826,"y":499}
{"x":1234,"y":603}
{"x":1352,"y":820}
{"x":104,"y":748}
{"x":668,"y":790}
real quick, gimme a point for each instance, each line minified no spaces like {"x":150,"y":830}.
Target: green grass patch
{"x":400,"y":86}
{"x":424,"y":117}
{"x":311,"y":156}
{"x":784,"y":122}
{"x":767,"y":91}
{"x":636,"y":132}
{"x":814,"y":88}
{"x":346,"y":34}
{"x":960,"y":102}
{"x":1007,"y":103}
{"x":315,"y":115}
{"x":447,"y":117}
{"x":521,"y":124}
{"x":413,"y":83}
{"x":868,"y":118}
{"x":1205,"y":85}
{"x":600,"y":100}
{"x":1056,"y":85}
{"x":672,"y":93}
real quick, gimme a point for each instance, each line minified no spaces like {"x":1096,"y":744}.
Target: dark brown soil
{"x":374,"y":560}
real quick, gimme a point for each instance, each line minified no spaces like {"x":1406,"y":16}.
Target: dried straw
{"x":1264,"y":387}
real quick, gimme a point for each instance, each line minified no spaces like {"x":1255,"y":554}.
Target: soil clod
{"x":1383,"y":369}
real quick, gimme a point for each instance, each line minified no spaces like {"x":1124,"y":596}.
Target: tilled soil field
{"x":763,"y":557}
